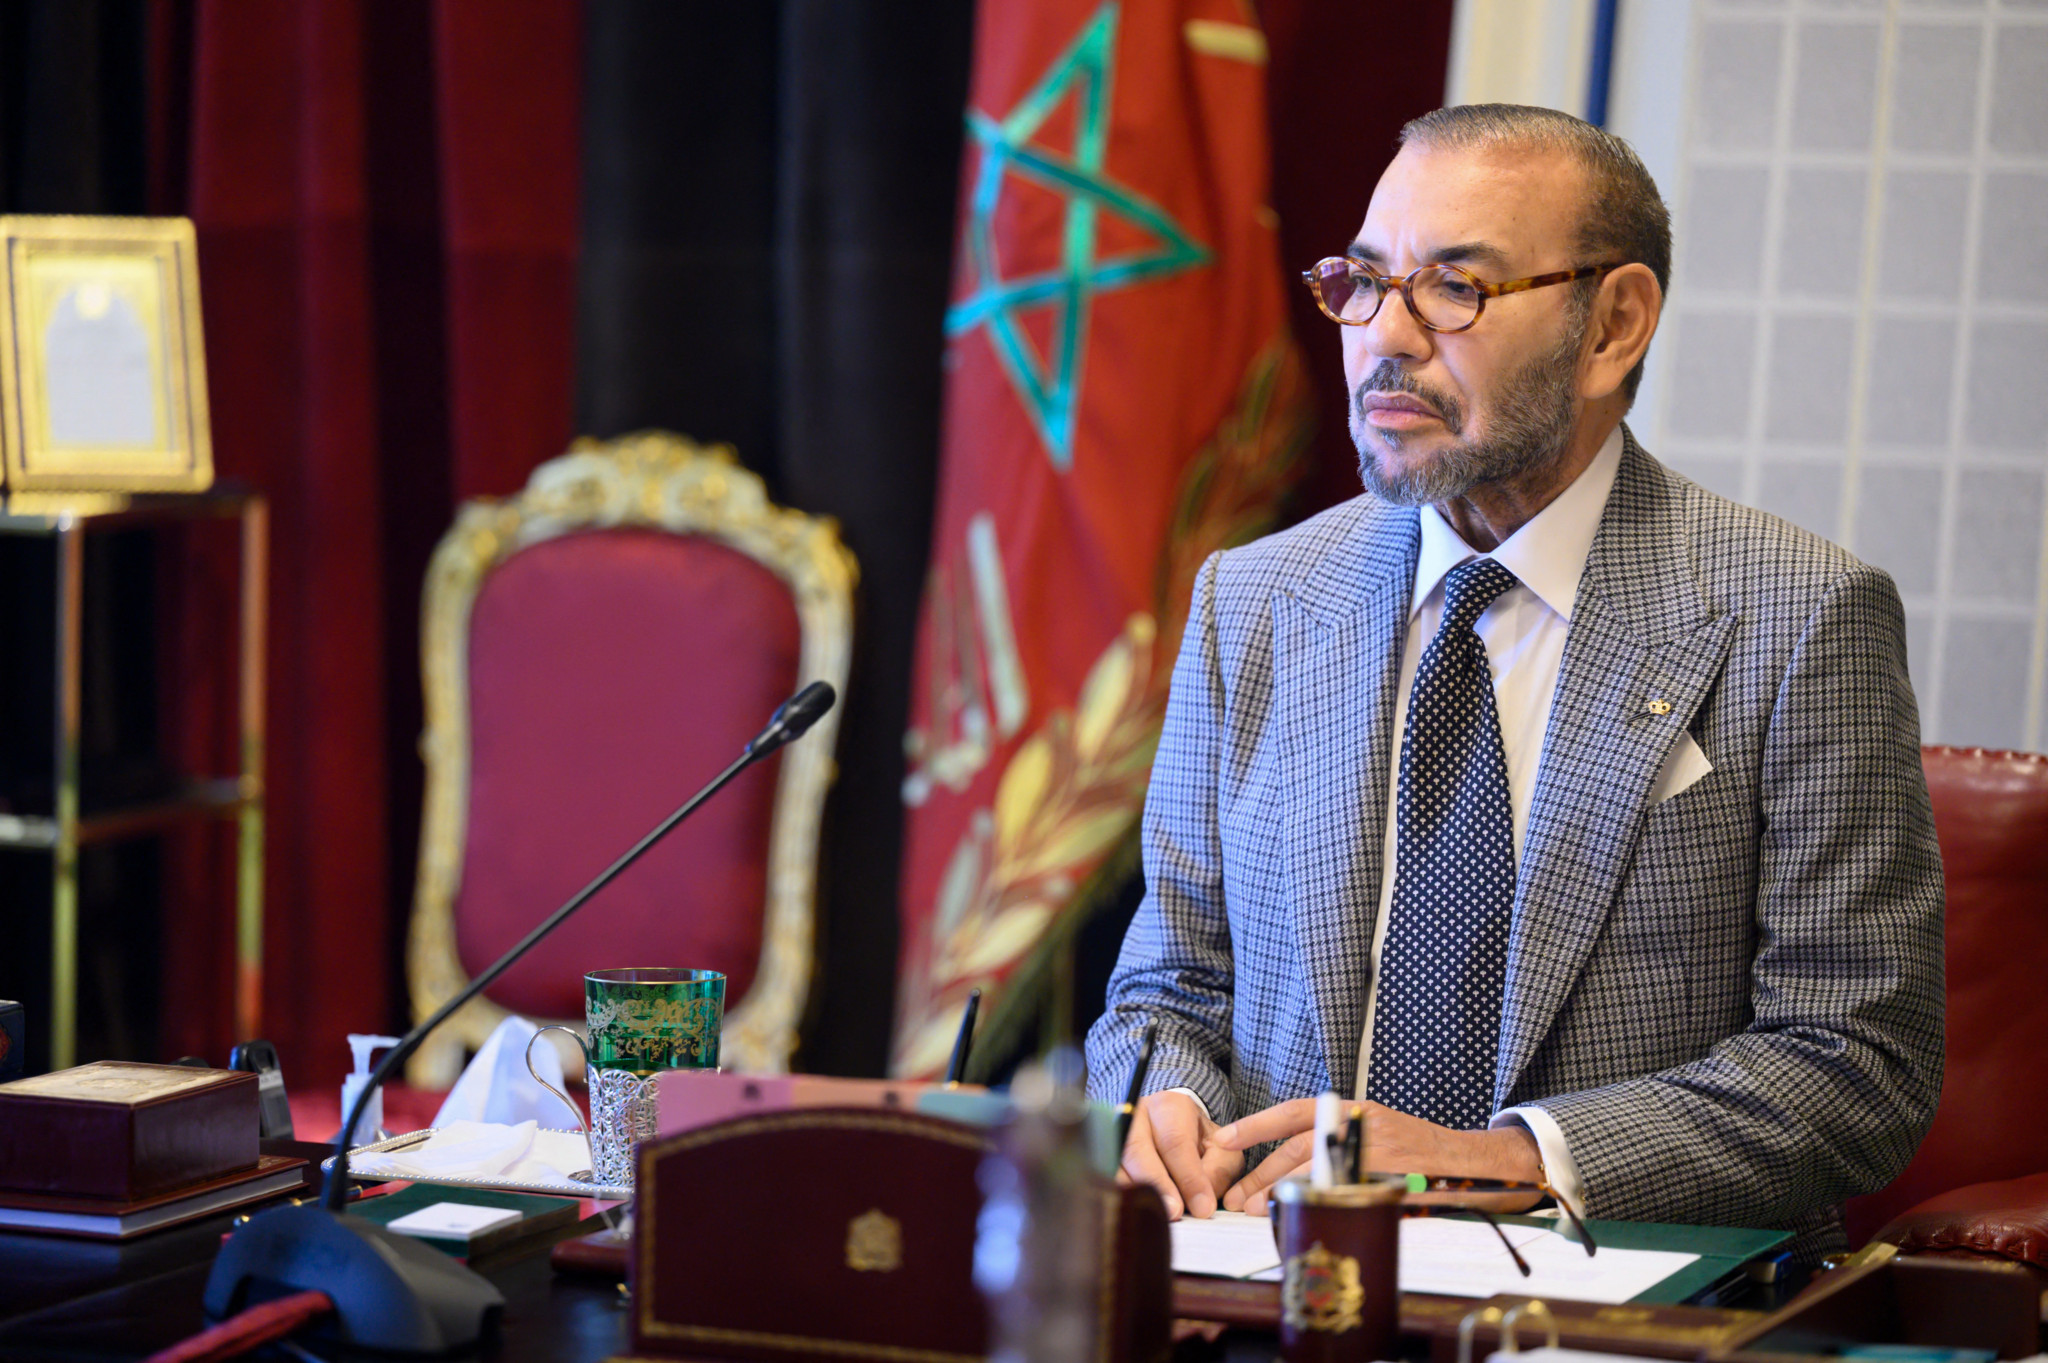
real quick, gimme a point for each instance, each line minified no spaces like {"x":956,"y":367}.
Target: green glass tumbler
{"x":649,"y":1019}
{"x":643,"y":1023}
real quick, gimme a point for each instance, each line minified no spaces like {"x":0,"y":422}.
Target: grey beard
{"x":1532,"y":418}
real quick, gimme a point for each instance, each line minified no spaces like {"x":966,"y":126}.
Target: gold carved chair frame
{"x":657,"y":480}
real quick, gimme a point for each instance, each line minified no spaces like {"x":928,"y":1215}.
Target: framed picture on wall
{"x":102,"y":362}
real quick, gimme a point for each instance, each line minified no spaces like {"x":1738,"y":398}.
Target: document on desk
{"x":1444,"y":1255}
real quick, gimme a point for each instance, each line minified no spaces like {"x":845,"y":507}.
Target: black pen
{"x":1354,"y":1147}
{"x":957,"y":1071}
{"x":1137,"y":1089}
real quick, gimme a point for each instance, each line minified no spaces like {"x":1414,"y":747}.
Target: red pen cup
{"x":1340,"y":1298}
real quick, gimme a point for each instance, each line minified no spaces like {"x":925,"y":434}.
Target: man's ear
{"x":1624,"y":319}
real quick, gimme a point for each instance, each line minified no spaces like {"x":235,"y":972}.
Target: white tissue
{"x":495,"y":1086}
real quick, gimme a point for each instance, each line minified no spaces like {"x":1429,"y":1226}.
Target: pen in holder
{"x":1340,"y":1255}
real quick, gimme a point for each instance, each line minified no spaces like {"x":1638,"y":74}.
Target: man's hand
{"x":1394,"y":1142}
{"x":1173,"y":1148}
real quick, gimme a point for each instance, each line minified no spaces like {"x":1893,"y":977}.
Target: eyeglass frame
{"x":1385,"y":285}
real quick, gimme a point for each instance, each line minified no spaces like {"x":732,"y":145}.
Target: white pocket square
{"x":1685,"y":765}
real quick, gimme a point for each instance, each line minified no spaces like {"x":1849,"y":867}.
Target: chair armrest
{"x":2008,"y":1220}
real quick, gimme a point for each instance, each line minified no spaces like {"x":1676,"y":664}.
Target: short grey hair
{"x":1624,"y":220}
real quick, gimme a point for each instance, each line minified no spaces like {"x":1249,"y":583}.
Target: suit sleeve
{"x":1175,"y":970}
{"x":1828,"y":1090}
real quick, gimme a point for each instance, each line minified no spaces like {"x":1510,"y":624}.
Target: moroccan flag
{"x":1122,"y":398}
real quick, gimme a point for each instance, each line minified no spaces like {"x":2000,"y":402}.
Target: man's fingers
{"x":1222,"y":1166}
{"x":1278,"y":1122}
{"x":1141,"y":1163}
{"x":1176,"y":1135}
{"x":1248,"y":1194}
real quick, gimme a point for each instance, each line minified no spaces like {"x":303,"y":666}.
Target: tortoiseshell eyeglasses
{"x":1440,"y":297}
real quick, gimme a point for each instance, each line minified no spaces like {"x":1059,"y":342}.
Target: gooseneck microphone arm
{"x":789,"y":722}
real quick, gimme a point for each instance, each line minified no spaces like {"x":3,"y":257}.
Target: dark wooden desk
{"x":547,"y":1317}
{"x":92,"y":1300}
{"x":74,"y":1300}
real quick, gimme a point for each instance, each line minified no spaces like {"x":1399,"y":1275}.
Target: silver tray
{"x":555,"y":1187}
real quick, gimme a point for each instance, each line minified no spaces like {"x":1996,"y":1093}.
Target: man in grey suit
{"x":1570,"y":815}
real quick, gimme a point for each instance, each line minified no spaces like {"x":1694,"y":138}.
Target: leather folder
{"x":1654,"y":1331}
{"x":849,"y":1233}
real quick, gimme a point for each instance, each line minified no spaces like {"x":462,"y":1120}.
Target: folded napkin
{"x":495,"y":1086}
{"x":482,"y":1150}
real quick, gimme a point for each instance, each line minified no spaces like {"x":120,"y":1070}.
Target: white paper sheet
{"x":1451,"y":1257}
{"x":1226,"y":1245}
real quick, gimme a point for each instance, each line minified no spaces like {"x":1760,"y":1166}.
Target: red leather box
{"x":123,"y":1130}
{"x":848,"y":1234}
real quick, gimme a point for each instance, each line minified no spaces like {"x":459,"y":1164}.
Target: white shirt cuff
{"x":1204,"y":1107}
{"x":1559,"y":1167}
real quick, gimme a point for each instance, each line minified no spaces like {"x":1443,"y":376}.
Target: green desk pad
{"x":1722,"y":1250}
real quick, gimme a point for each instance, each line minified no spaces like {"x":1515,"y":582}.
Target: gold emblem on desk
{"x":1321,"y":1291}
{"x":874,"y":1243}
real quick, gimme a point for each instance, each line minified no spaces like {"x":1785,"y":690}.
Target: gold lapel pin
{"x":1658,"y":706}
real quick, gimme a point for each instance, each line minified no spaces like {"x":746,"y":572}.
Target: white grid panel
{"x":1857,"y":334}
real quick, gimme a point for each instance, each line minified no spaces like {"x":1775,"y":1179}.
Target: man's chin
{"x":1400,"y":470}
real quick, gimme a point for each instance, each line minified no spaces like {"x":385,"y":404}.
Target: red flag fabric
{"x":1122,"y":398}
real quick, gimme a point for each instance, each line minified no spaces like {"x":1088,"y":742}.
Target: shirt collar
{"x":1547,"y":555}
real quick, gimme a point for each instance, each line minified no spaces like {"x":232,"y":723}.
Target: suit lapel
{"x":1643,"y":652}
{"x":1337,"y":657}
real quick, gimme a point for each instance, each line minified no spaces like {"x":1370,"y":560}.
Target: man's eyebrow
{"x":1464,"y":252}
{"x":1479,"y":252}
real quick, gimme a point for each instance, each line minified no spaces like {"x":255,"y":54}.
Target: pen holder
{"x":1340,"y":1248}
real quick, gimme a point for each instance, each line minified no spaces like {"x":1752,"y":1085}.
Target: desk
{"x":547,"y":1317}
{"x":75,"y":1300}
{"x":88,"y":1299}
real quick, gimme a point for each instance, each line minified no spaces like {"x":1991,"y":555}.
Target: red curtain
{"x":386,"y":201}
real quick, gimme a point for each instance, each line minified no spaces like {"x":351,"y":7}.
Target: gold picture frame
{"x":102,"y":360}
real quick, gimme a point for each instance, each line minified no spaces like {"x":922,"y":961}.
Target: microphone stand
{"x":391,"y":1291}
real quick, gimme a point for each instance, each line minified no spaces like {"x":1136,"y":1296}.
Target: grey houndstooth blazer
{"x":1730,"y":1002}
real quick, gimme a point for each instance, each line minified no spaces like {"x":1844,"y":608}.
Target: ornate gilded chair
{"x":594,"y":649}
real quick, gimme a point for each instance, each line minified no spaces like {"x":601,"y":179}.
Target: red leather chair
{"x":1991,"y":815}
{"x":595,"y":649}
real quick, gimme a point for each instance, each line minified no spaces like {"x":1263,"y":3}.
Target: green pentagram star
{"x":1050,"y":391}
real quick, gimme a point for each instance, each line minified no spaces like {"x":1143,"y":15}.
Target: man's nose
{"x":1394,"y":334}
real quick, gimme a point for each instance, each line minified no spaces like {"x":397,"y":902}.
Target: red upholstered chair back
{"x":1991,"y":815}
{"x":595,"y":650}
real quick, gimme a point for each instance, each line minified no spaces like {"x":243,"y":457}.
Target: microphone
{"x":393,"y":1291}
{"x":792,"y":718}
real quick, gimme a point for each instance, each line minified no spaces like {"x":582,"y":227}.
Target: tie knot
{"x":1470,"y":589}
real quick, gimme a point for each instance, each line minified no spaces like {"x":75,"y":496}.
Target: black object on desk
{"x":957,"y":1071}
{"x":1136,"y":1091}
{"x":260,"y":1059}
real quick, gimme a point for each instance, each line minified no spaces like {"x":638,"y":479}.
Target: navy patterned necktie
{"x":1436,"y":1028}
